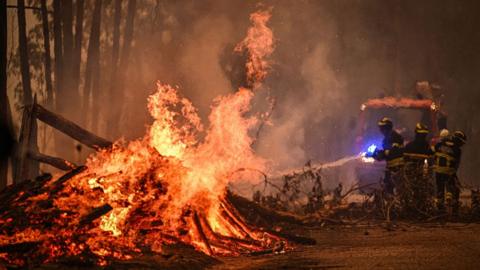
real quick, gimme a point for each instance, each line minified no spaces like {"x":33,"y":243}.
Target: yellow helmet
{"x":421,"y":129}
{"x":460,"y":136}
{"x":385,"y":122}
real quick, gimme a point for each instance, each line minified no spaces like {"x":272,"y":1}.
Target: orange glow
{"x":166,"y":187}
{"x":259,"y":45}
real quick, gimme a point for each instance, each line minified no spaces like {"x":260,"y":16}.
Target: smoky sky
{"x":330,"y":56}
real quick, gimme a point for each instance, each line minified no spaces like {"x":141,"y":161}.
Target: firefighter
{"x":444,"y":134}
{"x":447,"y":160}
{"x":416,"y":188}
{"x":392,"y":153}
{"x":418,"y":151}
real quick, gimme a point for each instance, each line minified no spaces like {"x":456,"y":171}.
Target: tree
{"x":115,"y":46}
{"x":23,"y":47}
{"x":93,"y":59}
{"x":58,"y":45}
{"x":48,"y":64}
{"x":66,"y":92}
{"x":5,"y":118}
{"x":127,"y":42}
{"x":78,"y":44}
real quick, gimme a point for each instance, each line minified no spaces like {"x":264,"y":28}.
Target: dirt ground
{"x":407,"y":246}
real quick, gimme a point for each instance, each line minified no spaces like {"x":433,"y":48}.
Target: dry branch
{"x":56,"y":162}
{"x":70,"y":128}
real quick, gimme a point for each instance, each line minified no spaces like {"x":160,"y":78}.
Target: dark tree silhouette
{"x":67,"y":92}
{"x":6,"y":136}
{"x":115,"y":49}
{"x":124,"y":58}
{"x":58,"y":46}
{"x":93,"y":60}
{"x":23,"y":47}
{"x":48,"y":64}
{"x":80,"y":6}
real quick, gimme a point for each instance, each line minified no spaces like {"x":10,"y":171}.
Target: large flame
{"x":166,"y":187}
{"x":259,"y":45}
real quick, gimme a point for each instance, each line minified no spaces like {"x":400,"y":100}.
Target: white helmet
{"x":444,"y":133}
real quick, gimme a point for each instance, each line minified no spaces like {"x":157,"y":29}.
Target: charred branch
{"x":56,"y":162}
{"x":58,"y":184}
{"x":94,"y":214}
{"x":70,"y":128}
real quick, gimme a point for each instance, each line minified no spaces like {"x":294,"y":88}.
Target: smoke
{"x":330,"y":56}
{"x":305,"y":117}
{"x":199,"y":63}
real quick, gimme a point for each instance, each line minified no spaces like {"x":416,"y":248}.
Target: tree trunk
{"x":48,"y":64}
{"x":120,"y":95}
{"x":23,"y":46}
{"x":67,"y":91}
{"x":4,"y":115}
{"x":114,"y":60}
{"x":93,"y":63}
{"x":78,"y":44}
{"x":64,"y":147}
{"x":58,"y":45}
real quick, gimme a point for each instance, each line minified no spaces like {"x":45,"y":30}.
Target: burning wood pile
{"x":139,"y":197}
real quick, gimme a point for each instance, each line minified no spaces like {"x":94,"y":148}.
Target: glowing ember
{"x":164,"y":188}
{"x":259,"y":45}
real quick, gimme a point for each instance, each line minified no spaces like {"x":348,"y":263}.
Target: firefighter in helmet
{"x":416,"y":188}
{"x":392,"y":153}
{"x":418,"y":151}
{"x":447,"y":160}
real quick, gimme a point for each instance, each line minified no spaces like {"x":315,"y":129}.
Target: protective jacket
{"x":417,"y":151}
{"x":392,"y":151}
{"x":447,"y":157}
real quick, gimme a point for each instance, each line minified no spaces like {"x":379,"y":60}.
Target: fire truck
{"x":405,"y":113}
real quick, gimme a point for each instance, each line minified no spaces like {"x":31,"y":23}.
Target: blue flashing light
{"x":371,"y":149}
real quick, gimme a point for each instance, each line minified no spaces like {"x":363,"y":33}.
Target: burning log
{"x":33,"y":207}
{"x":58,"y":184}
{"x":153,"y":192}
{"x":200,"y":231}
{"x":70,"y":128}
{"x":28,"y":188}
{"x":56,"y":162}
{"x":94,"y":214}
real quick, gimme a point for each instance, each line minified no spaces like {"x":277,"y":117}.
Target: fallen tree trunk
{"x":70,"y":128}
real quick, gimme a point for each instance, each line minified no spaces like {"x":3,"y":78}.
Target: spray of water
{"x":318,"y":165}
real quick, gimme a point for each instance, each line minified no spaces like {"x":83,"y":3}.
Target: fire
{"x":166,"y":187}
{"x":259,"y":45}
